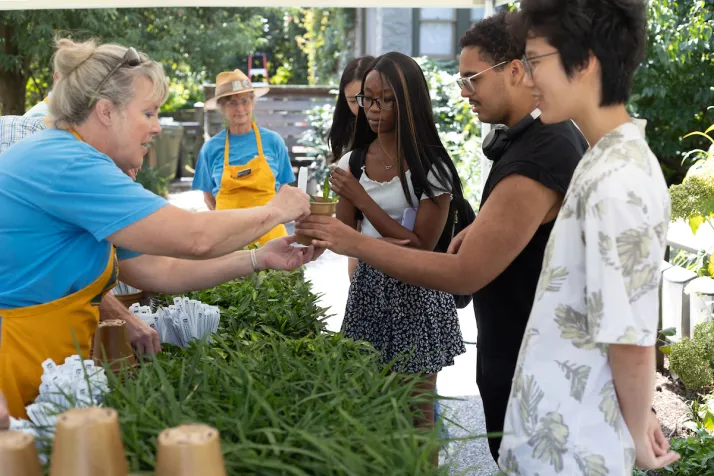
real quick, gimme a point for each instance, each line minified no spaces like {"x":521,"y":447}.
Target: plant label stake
{"x":302,"y":179}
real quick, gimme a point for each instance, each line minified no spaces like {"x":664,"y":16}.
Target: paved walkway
{"x":329,"y":277}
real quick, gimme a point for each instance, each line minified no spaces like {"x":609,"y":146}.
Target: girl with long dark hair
{"x":343,"y":119}
{"x":406,"y":183}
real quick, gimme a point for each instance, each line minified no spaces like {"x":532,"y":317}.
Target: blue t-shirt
{"x":243,"y":149}
{"x":60,"y":199}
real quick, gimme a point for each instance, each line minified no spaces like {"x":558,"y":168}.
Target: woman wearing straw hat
{"x":72,"y":221}
{"x":244,"y":165}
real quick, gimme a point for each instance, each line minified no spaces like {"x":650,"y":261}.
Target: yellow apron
{"x":249,"y":185}
{"x":31,"y":335}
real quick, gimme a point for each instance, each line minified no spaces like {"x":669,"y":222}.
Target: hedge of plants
{"x":288,"y":397}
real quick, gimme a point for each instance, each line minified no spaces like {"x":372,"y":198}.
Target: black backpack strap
{"x":357,"y":160}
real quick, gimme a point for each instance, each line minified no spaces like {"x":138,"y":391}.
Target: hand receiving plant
{"x":346,"y":185}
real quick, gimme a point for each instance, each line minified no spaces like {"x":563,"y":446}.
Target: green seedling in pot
{"x":326,"y":192}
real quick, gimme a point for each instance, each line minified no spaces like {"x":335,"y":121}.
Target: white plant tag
{"x":302,"y":179}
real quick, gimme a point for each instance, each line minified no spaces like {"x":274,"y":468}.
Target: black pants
{"x":494,"y":374}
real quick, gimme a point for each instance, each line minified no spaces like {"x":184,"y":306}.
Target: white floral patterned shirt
{"x":598,"y":286}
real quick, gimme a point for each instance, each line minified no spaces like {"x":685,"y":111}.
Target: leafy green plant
{"x":688,"y":359}
{"x":693,"y":200}
{"x":264,"y":304}
{"x":672,"y":87}
{"x":152,"y":180}
{"x":697,"y":457}
{"x":704,"y":333}
{"x":700,"y":262}
{"x":327,"y":192}
{"x":704,"y":413}
{"x":315,"y":139}
{"x":316,"y":405}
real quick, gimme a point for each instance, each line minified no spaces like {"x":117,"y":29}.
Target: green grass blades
{"x":315,"y":405}
{"x":265,"y":303}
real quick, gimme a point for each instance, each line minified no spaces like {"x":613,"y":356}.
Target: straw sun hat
{"x":229,"y":83}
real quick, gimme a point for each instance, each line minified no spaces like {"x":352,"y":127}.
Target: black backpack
{"x":461,"y":214}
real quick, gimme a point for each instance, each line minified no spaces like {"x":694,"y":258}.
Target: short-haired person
{"x":582,"y":393}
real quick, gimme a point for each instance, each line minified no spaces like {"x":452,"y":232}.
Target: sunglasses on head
{"x":131,"y":58}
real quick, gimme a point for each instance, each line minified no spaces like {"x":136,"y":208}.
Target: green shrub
{"x":689,"y":360}
{"x":319,"y":405}
{"x":704,"y":333}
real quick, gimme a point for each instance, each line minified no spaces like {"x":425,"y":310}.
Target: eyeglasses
{"x":466,"y":83}
{"x":528,"y":66}
{"x":233,"y":103}
{"x":366,"y":102}
{"x":131,"y":58}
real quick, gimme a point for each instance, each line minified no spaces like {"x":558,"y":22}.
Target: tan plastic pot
{"x":18,"y":456}
{"x":318,"y":207}
{"x":190,"y":450}
{"x":88,"y":443}
{"x":111,"y":344}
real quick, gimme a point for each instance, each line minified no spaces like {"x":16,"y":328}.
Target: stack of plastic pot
{"x":88,"y":443}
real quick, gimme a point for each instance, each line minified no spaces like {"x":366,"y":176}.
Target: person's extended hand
{"x":346,"y":185}
{"x":329,"y":232}
{"x":290,"y":203}
{"x":279,"y":254}
{"x":652,"y":449}
{"x":456,"y":241}
{"x":143,"y":338}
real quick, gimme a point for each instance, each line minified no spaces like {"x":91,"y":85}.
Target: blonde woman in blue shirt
{"x":72,"y":220}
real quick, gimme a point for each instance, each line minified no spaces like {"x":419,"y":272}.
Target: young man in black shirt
{"x":499,"y":256}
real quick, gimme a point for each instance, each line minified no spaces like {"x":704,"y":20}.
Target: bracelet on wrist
{"x":254,"y":260}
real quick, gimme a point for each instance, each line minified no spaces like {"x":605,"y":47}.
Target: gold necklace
{"x":387,"y":167}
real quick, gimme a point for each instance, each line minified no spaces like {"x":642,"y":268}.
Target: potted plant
{"x":324,"y":205}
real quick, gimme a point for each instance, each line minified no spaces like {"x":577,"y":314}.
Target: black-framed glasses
{"x":527,"y":62}
{"x":131,"y":58}
{"x":366,"y":102}
{"x":467,"y":84}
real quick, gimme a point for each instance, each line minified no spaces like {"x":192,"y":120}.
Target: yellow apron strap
{"x":226,"y":152}
{"x":258,"y":140}
{"x":76,"y":134}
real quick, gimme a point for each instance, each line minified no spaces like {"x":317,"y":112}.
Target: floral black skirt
{"x":415,"y":327}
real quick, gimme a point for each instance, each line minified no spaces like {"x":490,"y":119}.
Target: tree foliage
{"x":194,"y":44}
{"x":205,"y":39}
{"x":673,"y":87}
